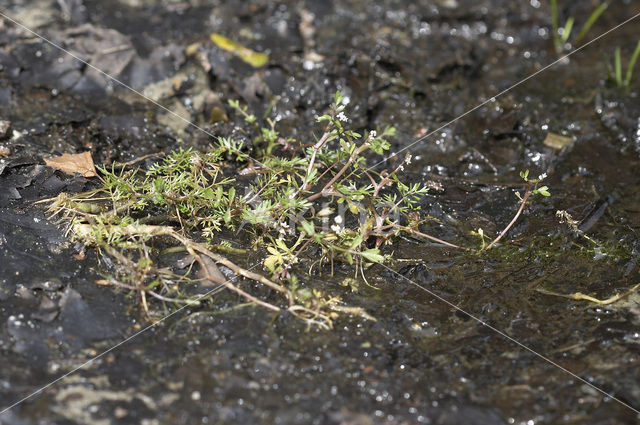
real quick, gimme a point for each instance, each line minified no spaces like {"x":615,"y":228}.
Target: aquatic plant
{"x":615,"y":72}
{"x":305,"y":207}
{"x":314,"y":203}
{"x":561,"y":35}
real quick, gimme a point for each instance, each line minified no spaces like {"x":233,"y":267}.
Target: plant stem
{"x":527,"y":193}
{"x":316,"y":148}
{"x":232,"y":287}
{"x":192,"y":247}
{"x":338,"y":174}
{"x":433,"y":238}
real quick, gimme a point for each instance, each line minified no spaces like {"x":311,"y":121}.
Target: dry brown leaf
{"x":81,"y":163}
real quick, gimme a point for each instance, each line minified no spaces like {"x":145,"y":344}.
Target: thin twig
{"x":316,"y":148}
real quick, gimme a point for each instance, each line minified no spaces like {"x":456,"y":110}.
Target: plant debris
{"x":81,"y":163}
{"x":251,"y":57}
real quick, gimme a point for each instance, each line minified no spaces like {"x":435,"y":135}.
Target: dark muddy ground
{"x":415,"y":65}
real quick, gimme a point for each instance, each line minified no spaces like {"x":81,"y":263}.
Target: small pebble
{"x":120,"y":412}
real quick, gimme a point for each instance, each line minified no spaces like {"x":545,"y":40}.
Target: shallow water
{"x":416,"y":65}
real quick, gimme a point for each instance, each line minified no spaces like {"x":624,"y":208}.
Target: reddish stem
{"x":527,"y":193}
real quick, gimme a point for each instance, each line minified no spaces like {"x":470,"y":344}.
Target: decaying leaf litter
{"x":479,"y":172}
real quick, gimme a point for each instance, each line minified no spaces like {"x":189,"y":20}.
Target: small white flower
{"x":401,"y":168}
{"x":407,"y":160}
{"x":338,"y":219}
{"x":542,"y":176}
{"x":342,"y":117}
{"x":283,"y":228}
{"x":195,"y":159}
{"x":336,"y":228}
{"x":372,"y":134}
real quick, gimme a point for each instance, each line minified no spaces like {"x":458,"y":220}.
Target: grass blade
{"x":566,"y":31}
{"x":632,"y":64}
{"x":610,"y":72}
{"x":554,"y":26}
{"x":618,"y":67}
{"x":592,"y":20}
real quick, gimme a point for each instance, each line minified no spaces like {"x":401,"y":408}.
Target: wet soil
{"x":413,"y":64}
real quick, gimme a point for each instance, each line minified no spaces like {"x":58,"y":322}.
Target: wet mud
{"x":414,"y":64}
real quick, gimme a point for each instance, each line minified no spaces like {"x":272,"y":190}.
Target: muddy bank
{"x":415,"y":65}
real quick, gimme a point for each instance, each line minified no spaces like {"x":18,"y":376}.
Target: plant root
{"x":579,"y":296}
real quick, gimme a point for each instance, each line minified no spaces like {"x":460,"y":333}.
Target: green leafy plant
{"x":561,"y":35}
{"x":304,"y":204}
{"x":305,"y":207}
{"x":615,"y":71}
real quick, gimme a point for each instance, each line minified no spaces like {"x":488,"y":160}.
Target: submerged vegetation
{"x":305,"y":207}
